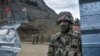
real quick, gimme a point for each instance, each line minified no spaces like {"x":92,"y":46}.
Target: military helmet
{"x":66,"y":16}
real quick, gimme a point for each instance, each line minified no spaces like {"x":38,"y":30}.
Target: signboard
{"x":7,"y":9}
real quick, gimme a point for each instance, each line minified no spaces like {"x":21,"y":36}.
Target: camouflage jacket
{"x":65,"y":45}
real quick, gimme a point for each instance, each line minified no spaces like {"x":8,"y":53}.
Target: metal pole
{"x":2,"y":1}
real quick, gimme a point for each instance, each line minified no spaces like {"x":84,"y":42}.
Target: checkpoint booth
{"x":90,"y":27}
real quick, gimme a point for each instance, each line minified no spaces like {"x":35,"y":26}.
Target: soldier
{"x":42,"y":38}
{"x":76,"y":26}
{"x":33,"y":39}
{"x":37,"y":38}
{"x":65,"y":42}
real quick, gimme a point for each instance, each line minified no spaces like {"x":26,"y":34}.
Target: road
{"x":33,"y":50}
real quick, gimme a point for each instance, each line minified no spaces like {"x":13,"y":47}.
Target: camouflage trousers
{"x":68,"y":53}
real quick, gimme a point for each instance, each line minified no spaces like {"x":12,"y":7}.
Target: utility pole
{"x":2,"y":4}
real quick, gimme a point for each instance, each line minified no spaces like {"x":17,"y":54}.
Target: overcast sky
{"x":64,"y":5}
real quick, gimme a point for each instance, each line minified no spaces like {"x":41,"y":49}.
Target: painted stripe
{"x":95,"y":31}
{"x":87,"y":1}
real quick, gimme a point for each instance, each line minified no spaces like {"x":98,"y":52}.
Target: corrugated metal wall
{"x":90,"y":26}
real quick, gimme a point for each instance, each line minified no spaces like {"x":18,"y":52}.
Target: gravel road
{"x":33,"y":50}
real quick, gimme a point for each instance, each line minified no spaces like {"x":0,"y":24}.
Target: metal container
{"x":9,"y":40}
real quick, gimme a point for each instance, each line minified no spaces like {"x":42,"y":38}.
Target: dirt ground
{"x":33,"y":50}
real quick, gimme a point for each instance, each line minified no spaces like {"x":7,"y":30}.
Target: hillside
{"x":40,"y":18}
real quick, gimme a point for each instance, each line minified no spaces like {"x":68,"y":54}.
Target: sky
{"x":64,"y":5}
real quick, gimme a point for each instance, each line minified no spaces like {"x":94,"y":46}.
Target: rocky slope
{"x":40,"y":18}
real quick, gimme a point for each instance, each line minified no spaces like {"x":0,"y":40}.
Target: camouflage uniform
{"x":37,"y":38}
{"x":41,"y":38}
{"x":33,"y":39}
{"x":65,"y":44}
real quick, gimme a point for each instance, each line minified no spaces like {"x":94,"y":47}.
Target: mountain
{"x":41,"y":18}
{"x":39,"y":11}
